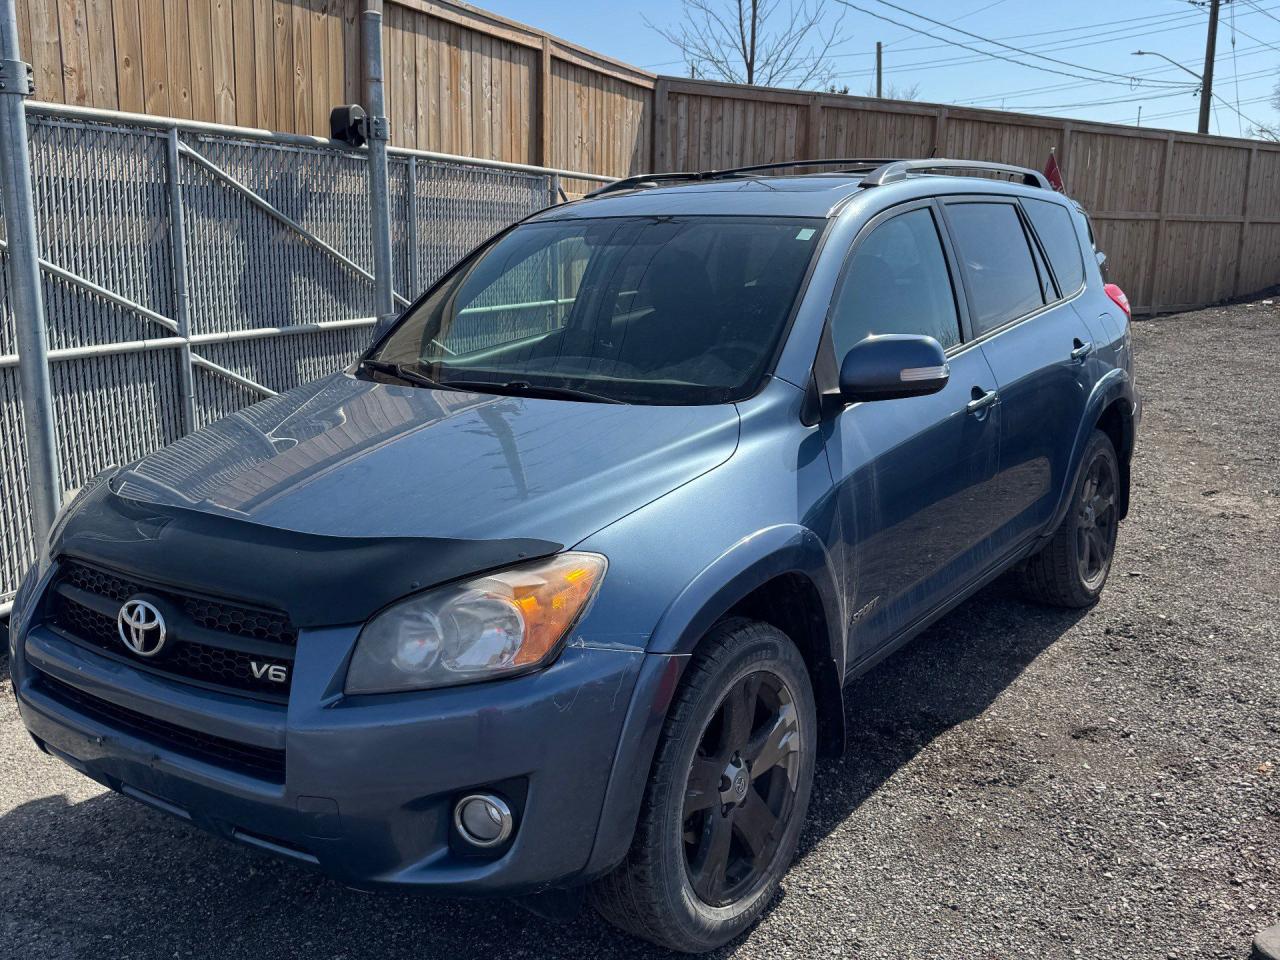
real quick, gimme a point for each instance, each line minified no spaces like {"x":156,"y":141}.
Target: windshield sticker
{"x":805,"y":234}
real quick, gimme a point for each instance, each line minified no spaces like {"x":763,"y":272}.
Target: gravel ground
{"x":1022,"y":782}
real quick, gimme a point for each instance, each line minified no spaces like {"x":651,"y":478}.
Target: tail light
{"x":1121,"y":301}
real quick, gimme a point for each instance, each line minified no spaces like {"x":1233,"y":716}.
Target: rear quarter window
{"x":1052,"y":222}
{"x":1000,"y":274}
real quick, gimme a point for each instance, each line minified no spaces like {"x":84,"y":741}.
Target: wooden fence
{"x":1186,"y":219}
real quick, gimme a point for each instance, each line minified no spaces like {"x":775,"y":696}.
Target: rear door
{"x":1037,"y":344}
{"x":912,"y":474}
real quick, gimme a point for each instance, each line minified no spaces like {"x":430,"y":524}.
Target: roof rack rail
{"x":897,"y":170}
{"x":851,"y":165}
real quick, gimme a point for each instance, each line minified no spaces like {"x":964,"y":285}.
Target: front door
{"x":913,"y":475}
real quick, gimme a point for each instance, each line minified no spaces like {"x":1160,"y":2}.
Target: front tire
{"x":727,"y":797}
{"x":1072,"y":568}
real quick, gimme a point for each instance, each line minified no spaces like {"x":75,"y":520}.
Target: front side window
{"x":637,"y":309}
{"x":995,"y":255}
{"x":1058,"y":234}
{"x":897,"y":281}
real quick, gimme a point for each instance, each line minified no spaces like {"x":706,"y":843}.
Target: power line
{"x":1088,"y":34}
{"x":1015,"y":36}
{"x":1269,"y":46}
{"x":987,"y":53}
{"x":1055,"y":88}
{"x":1264,"y":12}
{"x":1183,"y":113}
{"x":963,"y":16}
{"x":1089,"y":41}
{"x":1029,"y":53}
{"x":1252,"y":75}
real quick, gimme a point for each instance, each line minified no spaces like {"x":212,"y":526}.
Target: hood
{"x":344,"y":457}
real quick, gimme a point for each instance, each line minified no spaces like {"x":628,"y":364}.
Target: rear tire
{"x":1072,"y":568}
{"x":727,"y":796}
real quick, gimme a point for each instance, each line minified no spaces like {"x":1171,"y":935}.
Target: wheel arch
{"x":1109,"y":409}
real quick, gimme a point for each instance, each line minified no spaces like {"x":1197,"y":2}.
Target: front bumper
{"x":366,"y":785}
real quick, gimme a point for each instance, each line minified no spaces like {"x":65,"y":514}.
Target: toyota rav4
{"x":558,"y":586}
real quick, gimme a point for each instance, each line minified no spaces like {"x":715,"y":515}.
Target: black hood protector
{"x":317,"y":580}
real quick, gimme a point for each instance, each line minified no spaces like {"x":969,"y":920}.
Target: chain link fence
{"x":235,"y":262}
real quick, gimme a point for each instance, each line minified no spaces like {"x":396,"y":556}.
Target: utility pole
{"x":27,"y":298}
{"x":1210,"y":51}
{"x":378,"y":135}
{"x":879,"y":69}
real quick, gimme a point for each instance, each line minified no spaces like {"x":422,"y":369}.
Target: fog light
{"x":483,"y":819}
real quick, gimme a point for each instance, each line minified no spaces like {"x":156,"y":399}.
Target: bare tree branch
{"x":892,"y":91}
{"x":766,"y":42}
{"x":1269,"y":131}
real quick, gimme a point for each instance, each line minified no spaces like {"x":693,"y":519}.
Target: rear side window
{"x":1058,"y":234}
{"x":994,"y":252}
{"x":897,"y":282}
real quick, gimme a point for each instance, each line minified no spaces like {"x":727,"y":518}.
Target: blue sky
{"x":1091,"y":34}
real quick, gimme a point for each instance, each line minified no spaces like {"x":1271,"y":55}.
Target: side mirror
{"x":892,"y":366}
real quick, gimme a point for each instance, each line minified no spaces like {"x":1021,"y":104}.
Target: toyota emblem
{"x":142,"y":628}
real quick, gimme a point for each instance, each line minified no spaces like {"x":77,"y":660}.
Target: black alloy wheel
{"x":741,"y":790}
{"x":1096,"y":521}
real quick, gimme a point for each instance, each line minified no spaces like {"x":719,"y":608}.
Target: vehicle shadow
{"x":948,"y":675}
{"x":108,"y":877}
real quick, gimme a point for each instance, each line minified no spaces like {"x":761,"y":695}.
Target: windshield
{"x":661,"y":310}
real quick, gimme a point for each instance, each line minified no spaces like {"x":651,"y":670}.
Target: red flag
{"x":1052,"y":173}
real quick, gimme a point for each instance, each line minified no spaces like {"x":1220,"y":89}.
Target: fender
{"x":1113,"y":385}
{"x":748,"y":564}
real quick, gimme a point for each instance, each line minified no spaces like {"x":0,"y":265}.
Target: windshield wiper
{"x":523,"y":388}
{"x":401,"y":372}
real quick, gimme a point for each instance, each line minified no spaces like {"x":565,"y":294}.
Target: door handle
{"x":980,"y":403}
{"x":1082,"y":349}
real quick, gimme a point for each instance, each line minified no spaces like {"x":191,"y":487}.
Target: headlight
{"x":503,"y":623}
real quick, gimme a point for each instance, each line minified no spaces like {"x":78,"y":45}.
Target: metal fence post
{"x":181,"y":289}
{"x":411,"y":235}
{"x":24,"y":278}
{"x":555,"y":189}
{"x":379,"y":134}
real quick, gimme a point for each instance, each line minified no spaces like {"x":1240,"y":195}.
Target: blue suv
{"x":557,"y":588}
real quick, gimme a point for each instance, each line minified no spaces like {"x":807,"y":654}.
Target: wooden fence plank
{"x":155,"y":57}
{"x":319,"y":85}
{"x":73,"y":33}
{"x":200,"y":30}
{"x":177,"y":38}
{"x":248,"y":69}
{"x":285,"y":69}
{"x":128,"y":47}
{"x":224,"y":61}
{"x":265,"y":65}
{"x":104,"y":91}
{"x":303,"y":118}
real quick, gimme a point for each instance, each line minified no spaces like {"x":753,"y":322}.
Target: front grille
{"x":260,"y":762}
{"x":210,"y":614}
{"x":211,"y":643}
